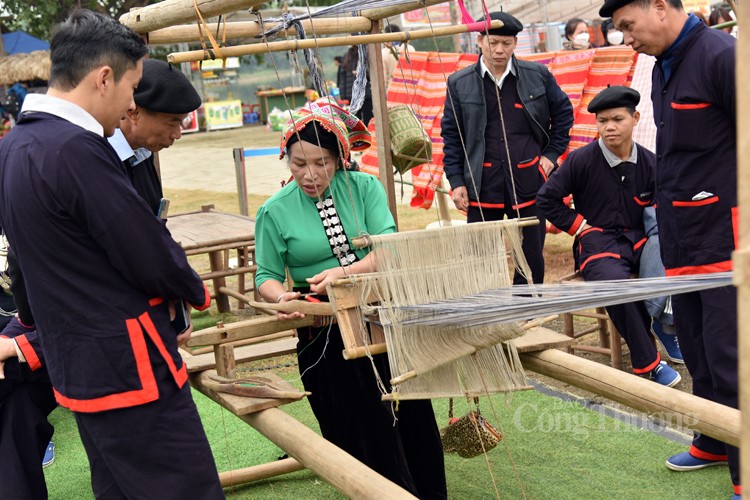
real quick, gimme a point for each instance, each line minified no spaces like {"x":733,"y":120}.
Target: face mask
{"x":615,"y":37}
{"x":581,"y":40}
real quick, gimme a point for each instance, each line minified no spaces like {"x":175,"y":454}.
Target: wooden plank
{"x":240,"y":405}
{"x":541,"y":338}
{"x":244,"y":354}
{"x":240,"y":330}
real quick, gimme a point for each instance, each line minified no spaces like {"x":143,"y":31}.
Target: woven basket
{"x":410,"y":144}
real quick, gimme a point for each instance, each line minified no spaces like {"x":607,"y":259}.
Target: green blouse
{"x":289,"y":231}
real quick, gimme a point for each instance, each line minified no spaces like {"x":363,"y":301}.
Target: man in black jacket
{"x":506,"y":122}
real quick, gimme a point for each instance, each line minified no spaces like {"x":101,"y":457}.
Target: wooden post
{"x":225,"y":364}
{"x":216,"y":259}
{"x":380,"y":109}
{"x":672,"y":405}
{"x":742,"y":254}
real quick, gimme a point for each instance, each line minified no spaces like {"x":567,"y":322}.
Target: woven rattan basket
{"x":410,"y":144}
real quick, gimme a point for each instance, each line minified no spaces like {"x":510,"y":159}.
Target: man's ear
{"x":636,"y":117}
{"x":105,"y":78}
{"x":134,"y":113}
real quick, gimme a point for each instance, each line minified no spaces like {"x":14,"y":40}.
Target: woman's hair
{"x":351,"y":58}
{"x":316,"y":134}
{"x":607,"y":24}
{"x":570,"y":27}
{"x":719,"y":16}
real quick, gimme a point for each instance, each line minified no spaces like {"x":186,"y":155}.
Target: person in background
{"x":293,"y":232}
{"x":612,"y":181}
{"x":351,"y":59}
{"x":498,"y":152}
{"x":102,"y":273}
{"x":700,"y":16}
{"x":721,"y":16}
{"x":612,"y":36}
{"x":694,"y":100}
{"x":577,"y":35}
{"x":392,"y":52}
{"x":163,"y":99}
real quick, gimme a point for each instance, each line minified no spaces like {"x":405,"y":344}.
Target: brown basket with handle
{"x":411,"y":146}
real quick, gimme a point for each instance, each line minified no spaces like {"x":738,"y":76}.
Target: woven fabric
{"x":421,"y":83}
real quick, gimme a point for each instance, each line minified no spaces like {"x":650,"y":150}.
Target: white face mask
{"x":581,"y":40}
{"x":615,"y":37}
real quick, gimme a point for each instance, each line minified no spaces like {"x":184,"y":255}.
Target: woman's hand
{"x":286,"y":297}
{"x":320,"y":281}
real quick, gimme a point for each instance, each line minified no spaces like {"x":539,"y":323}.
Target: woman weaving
{"x":307,"y":227}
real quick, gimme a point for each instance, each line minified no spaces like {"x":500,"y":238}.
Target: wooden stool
{"x":610,"y":342}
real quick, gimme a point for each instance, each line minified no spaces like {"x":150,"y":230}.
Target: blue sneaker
{"x":736,"y":497}
{"x":49,"y":455}
{"x":668,"y":342}
{"x":686,"y":462}
{"x":664,"y":374}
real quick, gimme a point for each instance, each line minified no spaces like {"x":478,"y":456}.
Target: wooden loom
{"x":672,"y":405}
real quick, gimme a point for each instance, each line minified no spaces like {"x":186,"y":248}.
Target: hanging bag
{"x":470,"y":435}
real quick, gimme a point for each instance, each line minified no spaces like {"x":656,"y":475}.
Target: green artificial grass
{"x":559,"y":450}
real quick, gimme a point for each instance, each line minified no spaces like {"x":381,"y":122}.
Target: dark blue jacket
{"x":696,"y":172}
{"x":98,"y":265}
{"x":547,"y":107}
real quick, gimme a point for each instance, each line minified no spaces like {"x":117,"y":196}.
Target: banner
{"x":190,"y":123}
{"x":439,"y":15}
{"x":223,"y":114}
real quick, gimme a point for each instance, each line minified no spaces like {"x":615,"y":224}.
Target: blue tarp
{"x":19,"y":42}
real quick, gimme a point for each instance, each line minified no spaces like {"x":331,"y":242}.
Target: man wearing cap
{"x":693,"y":94}
{"x":612,"y":181}
{"x":506,"y":122}
{"x":163,"y":99}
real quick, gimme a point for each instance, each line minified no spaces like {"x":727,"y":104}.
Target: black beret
{"x":165,"y":89}
{"x":511,"y":25}
{"x":610,"y":6}
{"x":614,"y":97}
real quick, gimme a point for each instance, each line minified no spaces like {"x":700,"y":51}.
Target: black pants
{"x":24,"y":435}
{"x":533,"y":237}
{"x":347,"y":404}
{"x":631,"y":319}
{"x":706,"y":324}
{"x":156,"y":450}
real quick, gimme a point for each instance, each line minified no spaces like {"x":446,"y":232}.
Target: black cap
{"x":511,"y":25}
{"x":165,"y":89}
{"x":610,"y":6}
{"x":614,"y":97}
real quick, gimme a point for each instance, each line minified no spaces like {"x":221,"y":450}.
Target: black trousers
{"x":631,"y":319}
{"x":347,"y":404}
{"x":156,"y":450}
{"x":24,"y":435}
{"x":706,"y":324}
{"x":533,"y":237}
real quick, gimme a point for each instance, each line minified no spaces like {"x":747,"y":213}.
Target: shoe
{"x":686,"y":462}
{"x":49,"y":455}
{"x":668,"y":342}
{"x":664,"y":374}
{"x":736,"y":497}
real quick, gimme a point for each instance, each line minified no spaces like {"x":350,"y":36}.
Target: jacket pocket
{"x":700,"y":223}
{"x":689,"y":121}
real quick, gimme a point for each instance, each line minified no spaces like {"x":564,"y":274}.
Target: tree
{"x":38,"y":18}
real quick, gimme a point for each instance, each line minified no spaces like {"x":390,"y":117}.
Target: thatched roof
{"x":24,"y":67}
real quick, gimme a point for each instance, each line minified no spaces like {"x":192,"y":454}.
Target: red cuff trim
{"x":486,"y":164}
{"x":155,"y":301}
{"x":524,"y":205}
{"x":206,"y":303}
{"x":180,"y":376}
{"x":718,"y":267}
{"x":486,"y":205}
{"x":591,"y":229}
{"x":576,"y":225}
{"x":737,"y":489}
{"x":704,"y":455}
{"x":641,"y":203}
{"x":640,"y":371}
{"x":640,"y":244}
{"x":518,"y":105}
{"x":149,"y":391}
{"x":529,"y":163}
{"x":30,"y":327}
{"x":29,"y":353}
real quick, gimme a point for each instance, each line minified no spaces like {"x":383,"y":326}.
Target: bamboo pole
{"x":344,"y":472}
{"x":251,"y":29}
{"x":341,"y":41}
{"x":742,"y":254}
{"x":258,"y":472}
{"x":171,"y":12}
{"x":671,"y":405}
{"x":394,"y":10}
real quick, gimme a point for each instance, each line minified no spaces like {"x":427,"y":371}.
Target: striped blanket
{"x":420,"y":83}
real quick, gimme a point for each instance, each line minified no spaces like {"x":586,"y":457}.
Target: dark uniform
{"x":99,"y":270}
{"x":146,"y":181}
{"x":696,"y":184}
{"x":611,"y":248}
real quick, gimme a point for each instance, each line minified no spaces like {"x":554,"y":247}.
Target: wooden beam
{"x":250,"y":328}
{"x":312,"y":43}
{"x":251,"y":29}
{"x":742,"y":255}
{"x":671,"y":405}
{"x":171,"y":12}
{"x":259,"y":472}
{"x":242,"y":354}
{"x":394,"y":10}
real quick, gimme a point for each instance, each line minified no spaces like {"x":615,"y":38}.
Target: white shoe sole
{"x":666,"y":352}
{"x":688,"y":468}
